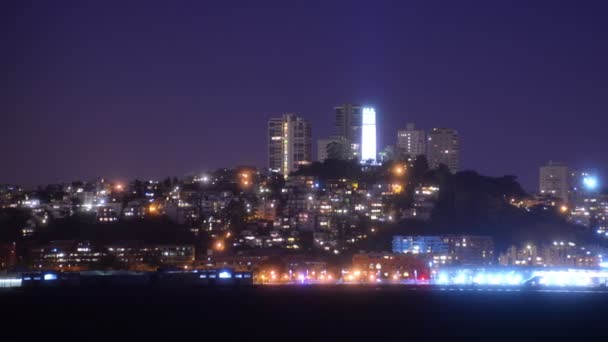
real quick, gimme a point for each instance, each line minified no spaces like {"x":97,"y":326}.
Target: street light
{"x":399,"y":170}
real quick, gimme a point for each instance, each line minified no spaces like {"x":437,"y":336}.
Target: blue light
{"x":50,"y":276}
{"x":225,"y":275}
{"x":590,"y":182}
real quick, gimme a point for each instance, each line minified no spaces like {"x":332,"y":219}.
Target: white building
{"x":289,"y":143}
{"x":553,"y":180}
{"x":368,"y":136}
{"x":411,"y":141}
{"x":444,"y":148}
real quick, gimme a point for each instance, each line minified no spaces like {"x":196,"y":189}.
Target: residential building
{"x":419,"y":244}
{"x":411,"y":142}
{"x":554,"y":180}
{"x":444,"y":148}
{"x":289,"y":143}
{"x":348,"y":125}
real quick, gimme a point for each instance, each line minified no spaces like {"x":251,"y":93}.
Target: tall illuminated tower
{"x":368,"y":135}
{"x":289,"y":143}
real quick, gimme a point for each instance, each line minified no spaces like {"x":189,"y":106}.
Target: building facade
{"x":553,"y":180}
{"x":419,"y":244}
{"x":444,"y":148}
{"x":348,"y":121}
{"x":467,"y":250}
{"x":411,"y":141}
{"x":289,"y":143}
{"x":368,"y":136}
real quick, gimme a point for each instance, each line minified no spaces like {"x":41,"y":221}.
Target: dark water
{"x":320,"y":313}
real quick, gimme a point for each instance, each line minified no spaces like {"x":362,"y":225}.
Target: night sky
{"x":154,"y":89}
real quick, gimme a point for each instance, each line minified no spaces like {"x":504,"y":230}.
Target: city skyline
{"x":108,"y":102}
{"x":316,"y":169}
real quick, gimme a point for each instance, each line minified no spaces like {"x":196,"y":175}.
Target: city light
{"x":219,"y":246}
{"x":50,"y":276}
{"x":368,"y":135}
{"x":396,"y":188}
{"x":11,"y":282}
{"x":590,"y":182}
{"x":399,"y":170}
{"x":225,"y":275}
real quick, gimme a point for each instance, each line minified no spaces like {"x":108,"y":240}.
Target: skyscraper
{"x":289,"y":143}
{"x":443,"y":148}
{"x":368,"y":135}
{"x":554,"y":180}
{"x":412,"y":142}
{"x":348,"y":125}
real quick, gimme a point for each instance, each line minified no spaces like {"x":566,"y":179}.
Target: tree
{"x":236,"y":214}
{"x":108,"y":262}
{"x":152,"y":260}
{"x":337,"y":150}
{"x":420,"y":167}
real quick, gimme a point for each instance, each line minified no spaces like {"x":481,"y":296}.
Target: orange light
{"x":563,"y":208}
{"x":397,"y":188}
{"x":118,"y":187}
{"x":399,"y":170}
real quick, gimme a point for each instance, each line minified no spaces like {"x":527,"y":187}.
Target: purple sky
{"x":151,"y":89}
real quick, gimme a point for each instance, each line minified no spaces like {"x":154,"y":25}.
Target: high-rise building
{"x":334,"y":147}
{"x":443,"y":148}
{"x":348,"y":125}
{"x":553,"y":180}
{"x":368,"y":135}
{"x":289,"y":143}
{"x":411,"y":141}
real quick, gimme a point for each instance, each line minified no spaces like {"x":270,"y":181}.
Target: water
{"x":374,"y":313}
